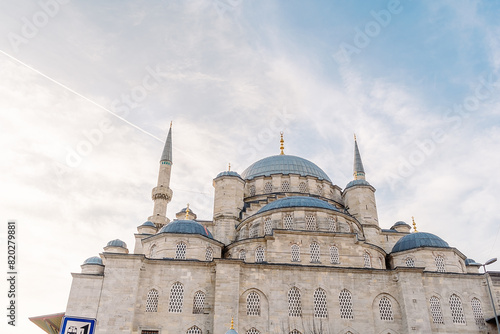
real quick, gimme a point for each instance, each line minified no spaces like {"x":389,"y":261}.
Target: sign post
{"x":75,"y":325}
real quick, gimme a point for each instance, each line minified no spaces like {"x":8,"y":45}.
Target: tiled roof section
{"x":297,"y":201}
{"x":284,"y":164}
{"x":417,"y":240}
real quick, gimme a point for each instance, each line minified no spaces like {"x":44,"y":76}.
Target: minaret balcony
{"x":161,"y":193}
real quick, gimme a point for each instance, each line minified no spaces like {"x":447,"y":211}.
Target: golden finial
{"x":232,"y":323}
{"x":187,"y":211}
{"x":229,"y":167}
{"x":354,"y":137}
{"x":281,"y":144}
{"x":170,"y":124}
{"x":414,"y":224}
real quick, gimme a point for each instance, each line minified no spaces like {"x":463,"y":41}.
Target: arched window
{"x":303,"y":187}
{"x":243,"y":254}
{"x":253,"y":304}
{"x":457,"y":311}
{"x":410,"y":262}
{"x":194,"y":330}
{"x":288,"y":222}
{"x":311,"y":223}
{"x":209,"y":254}
{"x":367,"y":260}
{"x":294,"y":304}
{"x":268,"y":187}
{"x":295,"y":332}
{"x":259,"y":254}
{"x":268,"y":225}
{"x":253,"y":330}
{"x":285,"y":186}
{"x":252,"y":190}
{"x":320,"y":307}
{"x":332,"y":224}
{"x":180,"y":251}
{"x":439,"y":263}
{"x":314,"y":248}
{"x":436,"y":312}
{"x":176,"y":298}
{"x":254,"y":229}
{"x":385,"y":309}
{"x":152,"y":301}
{"x":199,"y":302}
{"x":295,"y":253}
{"x":334,"y":255}
{"x":345,"y":301}
{"x":477,"y":310}
{"x":152,"y":251}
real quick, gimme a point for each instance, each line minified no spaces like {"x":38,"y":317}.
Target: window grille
{"x":199,"y":303}
{"x":259,"y":254}
{"x":457,"y":312}
{"x":302,"y":187}
{"x":294,"y":304}
{"x":152,"y":251}
{"x":254,"y":231}
{"x":252,"y":331}
{"x":385,"y":309}
{"x":268,"y":227}
{"x":194,"y":330}
{"x":243,"y":255}
{"x":268,"y":187}
{"x":332,"y":224}
{"x":436,"y":312}
{"x":345,"y":301}
{"x":285,"y":186}
{"x":209,"y":255}
{"x":149,"y":332}
{"x":320,"y":306}
{"x":314,"y":252}
{"x":410,"y":262}
{"x":253,"y":304}
{"x":288,"y":222}
{"x":367,"y":260}
{"x":477,"y":310}
{"x":180,"y":251}
{"x":334,"y":255}
{"x":439,"y":263}
{"x":311,"y":223}
{"x":176,"y":298}
{"x":152,"y":301}
{"x":295,"y":253}
{"x":252,"y":190}
{"x":295,"y":332}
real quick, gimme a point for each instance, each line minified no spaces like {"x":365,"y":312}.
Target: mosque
{"x":288,"y":251}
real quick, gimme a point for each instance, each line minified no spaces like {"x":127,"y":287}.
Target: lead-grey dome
{"x":419,"y":239}
{"x":186,"y":226}
{"x":284,"y":164}
{"x":93,"y":260}
{"x":297,"y":202}
{"x":116,"y":243}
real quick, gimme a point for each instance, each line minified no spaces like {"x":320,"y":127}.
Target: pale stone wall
{"x":361,"y":203}
{"x":426,"y":258}
{"x":84,"y":295}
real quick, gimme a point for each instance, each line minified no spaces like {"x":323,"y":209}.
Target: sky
{"x":88,"y":90}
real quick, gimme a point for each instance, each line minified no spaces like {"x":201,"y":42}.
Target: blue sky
{"x":419,"y":88}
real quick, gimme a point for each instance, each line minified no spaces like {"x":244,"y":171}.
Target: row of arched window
{"x":176,"y":300}
{"x":181,"y":250}
{"x":288,"y":223}
{"x":457,"y":311}
{"x":286,"y":187}
{"x":438,"y":260}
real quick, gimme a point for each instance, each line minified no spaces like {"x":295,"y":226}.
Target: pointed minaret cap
{"x":359,"y":171}
{"x":167,"y":150}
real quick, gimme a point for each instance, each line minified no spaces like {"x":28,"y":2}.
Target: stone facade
{"x":290,"y":253}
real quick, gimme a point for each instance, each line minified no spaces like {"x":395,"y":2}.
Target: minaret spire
{"x":359,"y":171}
{"x":282,"y":142}
{"x":162,"y":194}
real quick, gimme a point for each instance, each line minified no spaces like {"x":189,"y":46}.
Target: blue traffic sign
{"x":74,"y":325}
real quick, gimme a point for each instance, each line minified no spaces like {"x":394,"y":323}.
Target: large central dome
{"x":283,"y":164}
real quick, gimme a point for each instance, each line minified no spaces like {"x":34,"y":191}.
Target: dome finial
{"x":282,"y":147}
{"x":229,"y":167}
{"x":170,"y":124}
{"x":354,"y":137}
{"x":414,"y":224}
{"x":187,"y":211}
{"x":232,"y":323}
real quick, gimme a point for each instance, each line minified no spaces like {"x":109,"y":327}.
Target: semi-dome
{"x":359,"y":182}
{"x":93,"y":260}
{"x":186,"y":226}
{"x":419,"y":239}
{"x":284,"y":164}
{"x":297,"y":201}
{"x":116,"y":243}
{"x":228,"y":173}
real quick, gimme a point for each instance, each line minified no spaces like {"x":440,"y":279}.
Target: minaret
{"x":359,"y":195}
{"x":162,"y":194}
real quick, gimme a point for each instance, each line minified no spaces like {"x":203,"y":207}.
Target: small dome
{"x":357,"y":183}
{"x":186,"y":226}
{"x":399,"y":223}
{"x":297,"y":201}
{"x":228,"y":173}
{"x":419,"y":239}
{"x":471,"y":262}
{"x":149,"y":223}
{"x":116,"y":243}
{"x":93,"y":260}
{"x":184,"y":211}
{"x":283,"y":164}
